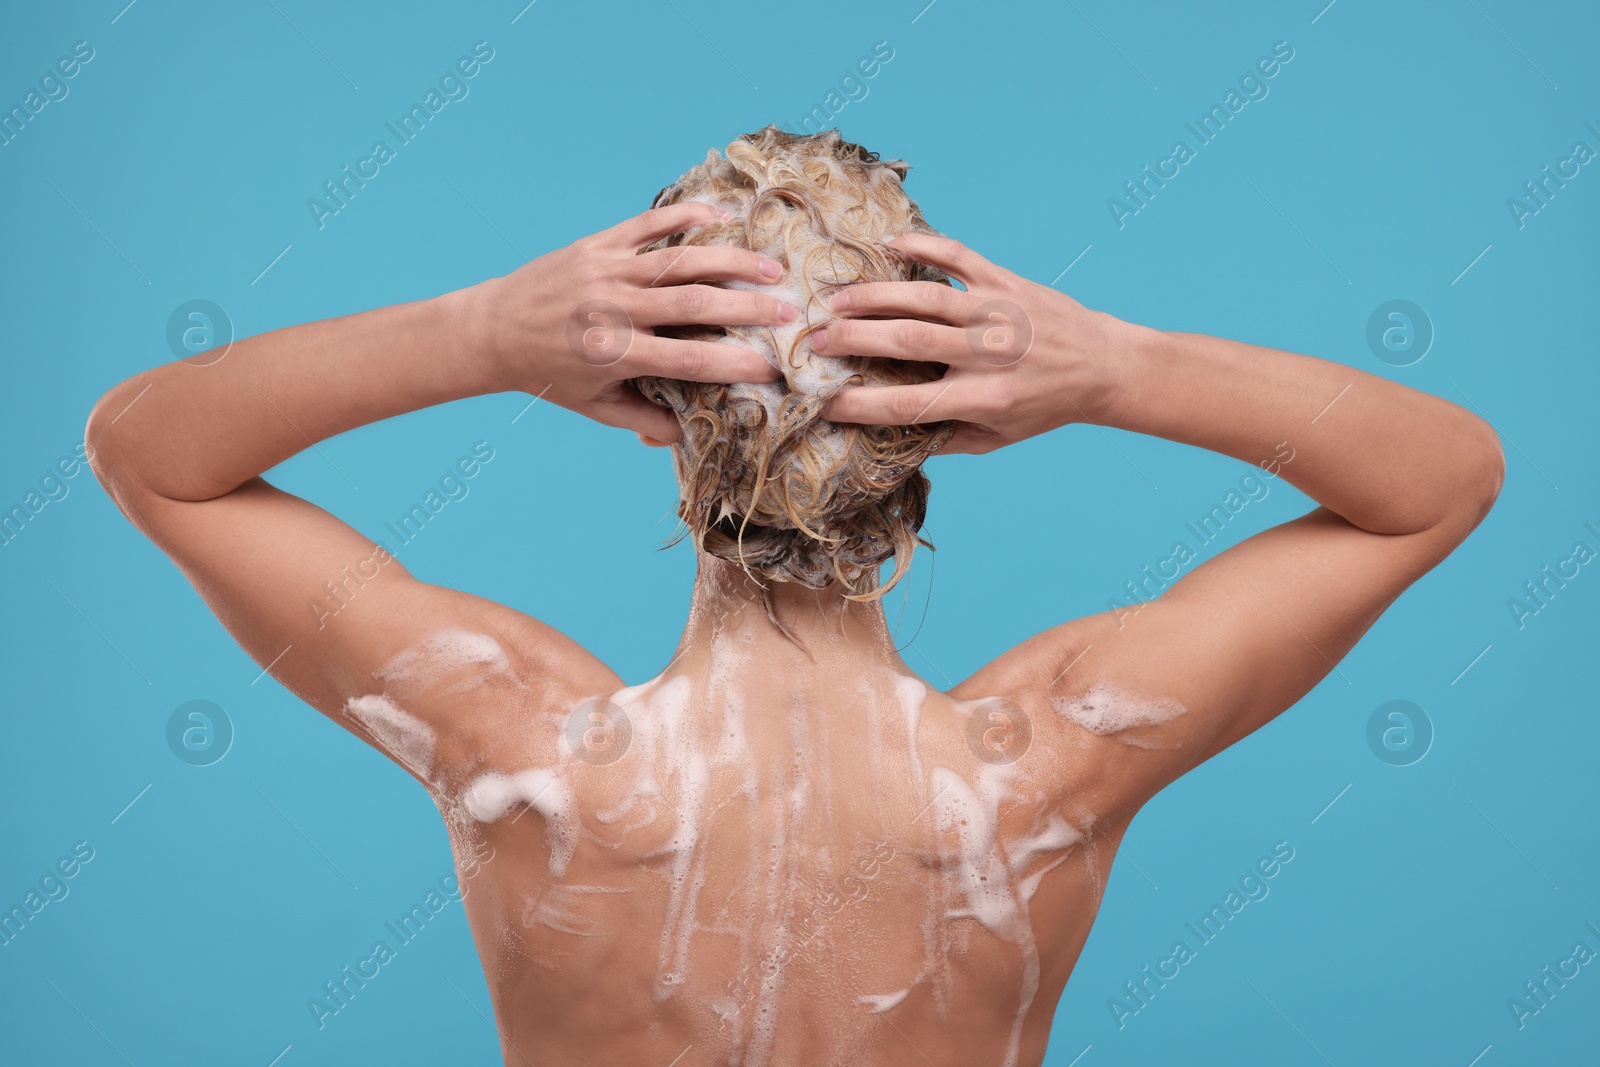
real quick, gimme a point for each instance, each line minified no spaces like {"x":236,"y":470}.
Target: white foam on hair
{"x":444,"y":653}
{"x":491,"y":796}
{"x":404,"y":737}
{"x":1108,"y":709}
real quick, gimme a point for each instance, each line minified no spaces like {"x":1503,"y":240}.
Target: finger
{"x":893,"y":339}
{"x":950,"y":256}
{"x":630,"y":411}
{"x":895,"y":405}
{"x":645,"y":439}
{"x":972,"y":439}
{"x":698,"y":361}
{"x":703,"y":263}
{"x":649,"y":227}
{"x":691,"y":305}
{"x":918,"y":300}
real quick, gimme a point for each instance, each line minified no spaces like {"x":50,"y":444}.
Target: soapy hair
{"x":765,"y":480}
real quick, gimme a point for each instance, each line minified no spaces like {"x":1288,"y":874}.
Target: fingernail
{"x":839,"y":301}
{"x":722,"y":213}
{"x":819,"y":340}
{"x":787,"y":312}
{"x":771,"y":268}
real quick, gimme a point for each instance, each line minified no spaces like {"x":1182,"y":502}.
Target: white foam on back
{"x":1108,"y":709}
{"x":491,"y":796}
{"x":984,"y":878}
{"x":404,"y":737}
{"x":882,"y":1002}
{"x":1057,"y":835}
{"x":913,"y":693}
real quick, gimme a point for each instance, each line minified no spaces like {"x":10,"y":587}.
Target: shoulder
{"x":1092,"y":699}
{"x":478,"y":690}
{"x":1029,"y":671}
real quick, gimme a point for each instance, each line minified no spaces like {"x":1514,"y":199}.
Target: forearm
{"x":195,"y":430}
{"x":1385,"y":457}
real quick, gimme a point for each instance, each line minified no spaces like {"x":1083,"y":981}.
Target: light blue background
{"x":221,"y":901}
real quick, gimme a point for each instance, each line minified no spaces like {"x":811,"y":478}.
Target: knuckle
{"x":665,"y":266}
{"x":690,"y":361}
{"x":904,"y":407}
{"x":690,"y":301}
{"x":914,"y":338}
{"x":940,"y":298}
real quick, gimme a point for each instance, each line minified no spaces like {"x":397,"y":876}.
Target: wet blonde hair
{"x":765,"y":481}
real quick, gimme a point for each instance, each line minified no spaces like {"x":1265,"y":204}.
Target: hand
{"x":574,"y":325}
{"x":1021,"y":358}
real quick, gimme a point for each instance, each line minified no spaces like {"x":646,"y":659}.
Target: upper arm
{"x":341,"y":623}
{"x":1156,"y":689}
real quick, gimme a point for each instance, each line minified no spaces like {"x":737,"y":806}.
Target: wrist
{"x":1113,"y":377}
{"x":472,"y":336}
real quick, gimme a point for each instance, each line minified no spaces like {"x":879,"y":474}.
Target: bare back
{"x":748,"y":864}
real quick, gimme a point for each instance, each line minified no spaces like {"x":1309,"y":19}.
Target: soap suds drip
{"x":558,"y":908}
{"x":490,"y":797}
{"x":678,"y":751}
{"x":913,"y":692}
{"x":981,"y":875}
{"x":406,"y":739}
{"x":1057,"y":835}
{"x":881,"y":1003}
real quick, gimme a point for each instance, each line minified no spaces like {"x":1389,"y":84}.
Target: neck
{"x":819,"y":622}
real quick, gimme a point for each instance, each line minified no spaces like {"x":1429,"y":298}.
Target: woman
{"x":787,"y":848}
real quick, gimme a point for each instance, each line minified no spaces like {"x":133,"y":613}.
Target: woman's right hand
{"x":574,"y":325}
{"x":1021,"y":358}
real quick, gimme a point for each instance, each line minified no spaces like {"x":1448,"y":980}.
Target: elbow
{"x":1484,"y":462}
{"x":104,"y":440}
